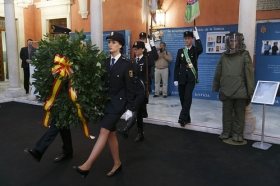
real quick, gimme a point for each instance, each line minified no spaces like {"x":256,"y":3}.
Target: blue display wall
{"x":267,"y":64}
{"x":126,"y":34}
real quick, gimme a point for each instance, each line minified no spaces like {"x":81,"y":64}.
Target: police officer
{"x":149,"y":47}
{"x":119,"y":80}
{"x":185,"y":73}
{"x":139,"y":86}
{"x":46,"y":140}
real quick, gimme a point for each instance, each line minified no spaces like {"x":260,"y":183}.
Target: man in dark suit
{"x":45,"y":141}
{"x":185,"y":73}
{"x":26,"y":54}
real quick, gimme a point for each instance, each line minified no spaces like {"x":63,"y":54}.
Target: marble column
{"x":96,"y":23}
{"x":247,"y":26}
{"x":14,"y":89}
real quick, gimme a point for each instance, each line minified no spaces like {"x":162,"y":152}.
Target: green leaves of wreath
{"x":86,"y":78}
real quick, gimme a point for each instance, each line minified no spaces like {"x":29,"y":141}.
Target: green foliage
{"x":86,"y":78}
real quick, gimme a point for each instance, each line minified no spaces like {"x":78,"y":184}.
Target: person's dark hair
{"x":163,"y":43}
{"x":29,"y":40}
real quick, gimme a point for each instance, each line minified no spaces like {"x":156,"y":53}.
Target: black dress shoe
{"x":83,"y":173}
{"x":123,"y":133}
{"x":110,"y":174}
{"x":165,"y":96}
{"x":62,"y":157}
{"x":35,"y":154}
{"x":144,"y":115}
{"x":139,"y":138}
{"x":182,"y":123}
{"x":155,"y":96}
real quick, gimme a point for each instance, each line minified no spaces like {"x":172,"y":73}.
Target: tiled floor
{"x":206,"y":115}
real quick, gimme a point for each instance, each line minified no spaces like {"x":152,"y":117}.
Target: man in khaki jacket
{"x":161,"y":70}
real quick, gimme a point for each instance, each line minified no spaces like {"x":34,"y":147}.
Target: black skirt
{"x":109,"y":121}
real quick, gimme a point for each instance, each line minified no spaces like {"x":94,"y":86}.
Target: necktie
{"x":138,"y":60}
{"x":29,"y":51}
{"x":112,"y":64}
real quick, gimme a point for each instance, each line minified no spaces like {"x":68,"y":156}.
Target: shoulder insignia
{"x":130,"y":73}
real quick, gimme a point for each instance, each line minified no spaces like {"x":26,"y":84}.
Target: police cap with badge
{"x":139,"y":44}
{"x":143,"y":35}
{"x":60,"y":30}
{"x":188,"y":34}
{"x":116,"y":37}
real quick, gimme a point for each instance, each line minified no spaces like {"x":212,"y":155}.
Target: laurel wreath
{"x":85,"y":78}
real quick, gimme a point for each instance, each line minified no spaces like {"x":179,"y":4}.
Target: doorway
{"x":3,"y":57}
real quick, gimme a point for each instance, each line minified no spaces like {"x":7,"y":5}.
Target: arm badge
{"x":130,"y":73}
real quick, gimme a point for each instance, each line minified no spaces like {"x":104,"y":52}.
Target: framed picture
{"x":265,"y":92}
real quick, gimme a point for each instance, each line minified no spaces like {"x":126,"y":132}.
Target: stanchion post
{"x":262,"y":145}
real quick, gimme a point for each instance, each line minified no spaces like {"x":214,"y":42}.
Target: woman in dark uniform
{"x":140,"y":80}
{"x":119,"y":80}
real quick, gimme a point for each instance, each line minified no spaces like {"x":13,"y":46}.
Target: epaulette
{"x":126,"y":59}
{"x":108,"y":57}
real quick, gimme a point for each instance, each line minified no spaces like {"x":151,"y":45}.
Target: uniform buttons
{"x":118,"y":76}
{"x":120,"y":98}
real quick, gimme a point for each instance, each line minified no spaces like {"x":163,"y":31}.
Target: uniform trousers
{"x":161,"y":74}
{"x":139,"y":104}
{"x":234,"y":115}
{"x":185,"y":93}
{"x":26,"y":77}
{"x":45,"y":141}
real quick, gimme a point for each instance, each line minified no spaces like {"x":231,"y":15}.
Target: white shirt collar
{"x":140,"y":57}
{"x":116,"y":57}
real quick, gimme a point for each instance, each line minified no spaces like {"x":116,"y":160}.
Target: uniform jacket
{"x":119,"y":80}
{"x":139,"y":86}
{"x":24,"y":56}
{"x":142,"y":66}
{"x":182,"y":74}
{"x":234,"y":75}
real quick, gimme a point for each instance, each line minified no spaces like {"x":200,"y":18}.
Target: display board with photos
{"x":215,"y":42}
{"x":267,"y":54}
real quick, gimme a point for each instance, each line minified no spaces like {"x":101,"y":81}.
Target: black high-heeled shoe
{"x":110,"y":174}
{"x":83,"y":173}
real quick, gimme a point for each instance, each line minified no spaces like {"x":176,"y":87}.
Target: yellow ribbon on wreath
{"x":63,"y":68}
